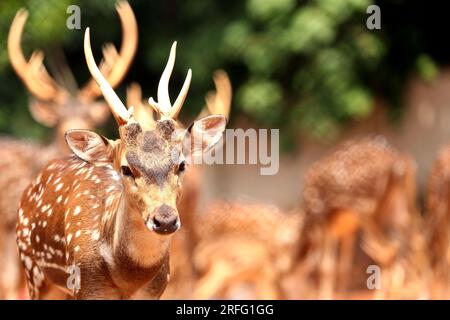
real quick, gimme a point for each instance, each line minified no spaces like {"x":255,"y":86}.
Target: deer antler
{"x":164,"y":107}
{"x":120,"y":112}
{"x":142,"y":112}
{"x":32,"y":72}
{"x":115,"y":65}
{"x":219,"y":102}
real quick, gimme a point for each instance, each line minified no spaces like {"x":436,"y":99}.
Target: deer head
{"x":54,"y":105}
{"x":150,"y":161}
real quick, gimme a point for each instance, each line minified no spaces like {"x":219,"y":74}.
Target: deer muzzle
{"x":165,"y":221}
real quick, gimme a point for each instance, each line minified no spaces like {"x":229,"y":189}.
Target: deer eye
{"x":126,"y":171}
{"x":181,"y":166}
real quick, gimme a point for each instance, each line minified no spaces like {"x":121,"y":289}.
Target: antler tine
{"x":120,"y":112}
{"x":32,"y":73}
{"x":181,"y":96}
{"x":134,"y":94}
{"x":35,"y":68}
{"x":142,"y":113}
{"x":218,"y":101}
{"x":129,"y":43}
{"x":164,"y":106}
{"x":163,"y":86}
{"x":115,"y":65}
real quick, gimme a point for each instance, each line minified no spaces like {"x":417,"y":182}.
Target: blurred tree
{"x":301,"y":66}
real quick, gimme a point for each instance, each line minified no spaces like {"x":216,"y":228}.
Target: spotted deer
{"x":109,"y":211}
{"x":365,"y":189}
{"x":243,"y":251}
{"x":53,"y":105}
{"x":437,"y":220}
{"x":183,"y":243}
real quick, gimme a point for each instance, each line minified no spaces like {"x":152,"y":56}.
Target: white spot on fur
{"x":77,"y":210}
{"x":95,"y":235}
{"x":28,"y":263}
{"x":106,"y":253}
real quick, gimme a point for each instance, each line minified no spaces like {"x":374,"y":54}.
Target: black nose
{"x":166,"y":220}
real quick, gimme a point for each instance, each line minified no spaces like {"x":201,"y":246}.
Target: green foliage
{"x":301,"y":66}
{"x":264,"y":10}
{"x":426,"y":67}
{"x":303,"y":63}
{"x":261,"y":98}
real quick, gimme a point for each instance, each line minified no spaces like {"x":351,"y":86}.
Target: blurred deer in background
{"x":437,"y":221}
{"x":398,"y":244}
{"x":110,"y":210}
{"x":363,"y":189}
{"x":183,"y":243}
{"x":244,"y":250}
{"x":56,"y":106}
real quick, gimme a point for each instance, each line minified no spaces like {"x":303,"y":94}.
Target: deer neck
{"x":131,"y":240}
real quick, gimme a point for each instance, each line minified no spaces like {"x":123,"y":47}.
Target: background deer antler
{"x":142,"y":111}
{"x":38,"y":81}
{"x":32,"y":72}
{"x":219,"y":101}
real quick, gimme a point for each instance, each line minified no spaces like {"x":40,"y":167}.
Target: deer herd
{"x":123,"y":215}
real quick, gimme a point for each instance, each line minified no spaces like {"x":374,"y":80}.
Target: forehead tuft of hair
{"x":166,"y":128}
{"x":152,"y":142}
{"x":132,"y":131}
{"x":154,"y":167}
{"x":150,"y":152}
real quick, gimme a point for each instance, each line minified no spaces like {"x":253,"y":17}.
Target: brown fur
{"x":365,"y":185}
{"x":437,"y":220}
{"x":243,"y":251}
{"x":20,"y":161}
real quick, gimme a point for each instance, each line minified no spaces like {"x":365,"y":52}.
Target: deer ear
{"x":203,"y":135}
{"x":89,"y":146}
{"x":99,"y":112}
{"x":44,"y":113}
